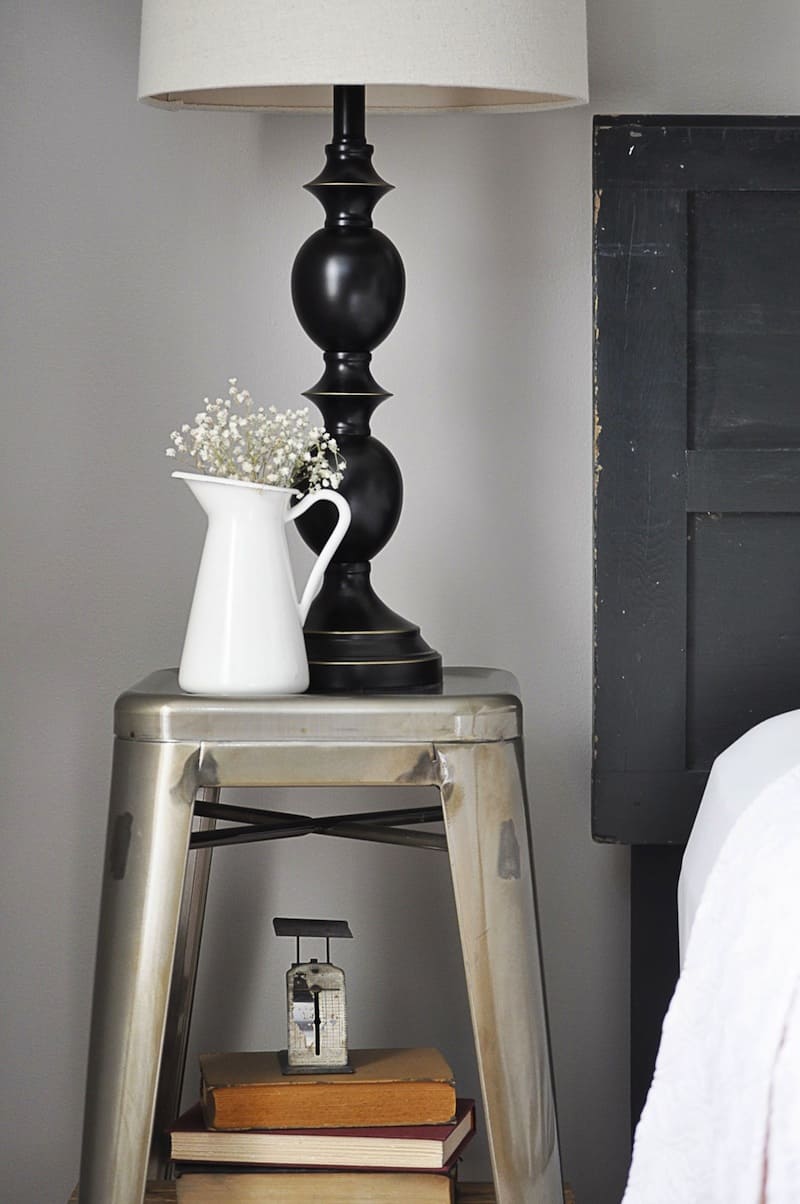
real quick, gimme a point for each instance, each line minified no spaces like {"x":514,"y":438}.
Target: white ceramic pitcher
{"x":244,"y":637}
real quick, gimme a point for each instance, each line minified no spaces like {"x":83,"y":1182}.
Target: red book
{"x":406,"y":1147}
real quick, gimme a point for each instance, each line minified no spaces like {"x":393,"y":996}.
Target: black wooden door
{"x":697,"y":471}
{"x":697,"y":242}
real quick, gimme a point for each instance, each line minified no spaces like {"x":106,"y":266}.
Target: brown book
{"x":360,"y":1187}
{"x":388,"y":1087}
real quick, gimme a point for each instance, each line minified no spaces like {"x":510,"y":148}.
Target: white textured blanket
{"x":722,"y":1120}
{"x":757,"y":759}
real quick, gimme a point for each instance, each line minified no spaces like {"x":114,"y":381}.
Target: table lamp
{"x":348,"y":282}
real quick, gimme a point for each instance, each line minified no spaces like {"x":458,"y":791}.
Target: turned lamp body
{"x":348,"y":285}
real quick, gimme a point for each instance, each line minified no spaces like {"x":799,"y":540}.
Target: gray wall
{"x":144,"y":258}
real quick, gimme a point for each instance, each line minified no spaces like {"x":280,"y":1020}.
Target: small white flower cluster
{"x":233,"y":438}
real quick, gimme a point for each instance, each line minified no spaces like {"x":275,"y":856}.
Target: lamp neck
{"x":349,"y":121}
{"x":348,"y":187}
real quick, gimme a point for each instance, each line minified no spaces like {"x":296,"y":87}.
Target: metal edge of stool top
{"x":474,"y":705}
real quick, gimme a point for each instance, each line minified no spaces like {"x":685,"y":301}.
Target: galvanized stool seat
{"x":173,"y":752}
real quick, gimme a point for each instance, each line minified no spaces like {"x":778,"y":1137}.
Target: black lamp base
{"x":357,"y":645}
{"x":348,"y":284}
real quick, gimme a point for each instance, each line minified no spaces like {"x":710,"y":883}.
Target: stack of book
{"x":391,"y":1132}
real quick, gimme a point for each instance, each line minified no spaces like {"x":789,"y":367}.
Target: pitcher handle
{"x":314,"y":583}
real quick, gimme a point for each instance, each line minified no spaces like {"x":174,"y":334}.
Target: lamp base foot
{"x":357,"y":645}
{"x":420,"y":674}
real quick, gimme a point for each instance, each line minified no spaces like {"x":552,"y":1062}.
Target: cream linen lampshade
{"x":348,"y":281}
{"x":495,"y":55}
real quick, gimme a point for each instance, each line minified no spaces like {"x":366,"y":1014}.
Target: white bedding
{"x":722,"y":1120}
{"x":737,"y":777}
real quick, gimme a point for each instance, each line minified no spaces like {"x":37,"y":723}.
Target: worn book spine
{"x":323,"y":1106}
{"x":388,"y":1087}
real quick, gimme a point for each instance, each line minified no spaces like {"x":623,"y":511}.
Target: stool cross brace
{"x":257,"y":824}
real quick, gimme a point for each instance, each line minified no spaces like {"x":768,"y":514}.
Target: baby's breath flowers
{"x":231,"y":437}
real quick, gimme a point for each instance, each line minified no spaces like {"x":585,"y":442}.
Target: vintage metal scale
{"x":315,"y":1003}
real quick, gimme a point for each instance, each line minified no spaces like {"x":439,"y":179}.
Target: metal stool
{"x":173,"y":753}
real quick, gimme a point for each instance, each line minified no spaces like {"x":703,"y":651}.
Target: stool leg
{"x":181,"y":993}
{"x":150,"y":816}
{"x":488,"y":838}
